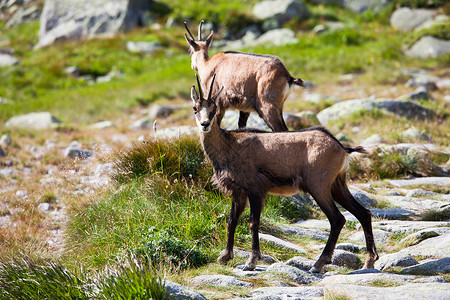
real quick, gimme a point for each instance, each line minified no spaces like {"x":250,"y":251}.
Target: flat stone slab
{"x":429,"y":268}
{"x":393,"y":213}
{"x":415,"y":205}
{"x":408,"y":226}
{"x":293,"y":273}
{"x":180,"y":292}
{"x":395,"y":260}
{"x":430,"y":291}
{"x":245,"y":254}
{"x":420,"y":181}
{"x":313,"y":233}
{"x":379,"y":236}
{"x":239,"y":271}
{"x":301,"y":263}
{"x":281,"y":243}
{"x":437,"y":247}
{"x":366,"y":279}
{"x":299,"y":292}
{"x":219,"y":280}
{"x":312,"y":223}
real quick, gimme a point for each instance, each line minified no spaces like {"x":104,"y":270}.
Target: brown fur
{"x":250,"y":164}
{"x":252,"y":82}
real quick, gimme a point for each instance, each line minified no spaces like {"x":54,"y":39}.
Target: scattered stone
{"x":313,"y":233}
{"x":42,"y":120}
{"x":277,"y":37}
{"x":302,"y":120}
{"x":301,"y":263}
{"x":360,"y":6}
{"x":406,"y":19}
{"x":293,"y":273}
{"x":312,"y":223}
{"x":74,"y":151}
{"x":436,"y":247}
{"x":230,"y":121}
{"x":22,"y":194}
{"x":73,"y":71}
{"x":23,"y":15}
{"x":443,"y":83}
{"x":143,"y":47}
{"x":420,"y":192}
{"x":380,"y":236}
{"x":345,"y":259}
{"x":317,"y":98}
{"x":45,"y":207}
{"x":363,"y":271}
{"x":364,"y":200}
{"x":281,"y":11}
{"x":366,"y":279}
{"x":393,"y":213}
{"x":245,"y":254}
{"x":279,"y":293}
{"x":7,"y":60}
{"x":143,"y":123}
{"x":374,"y":139}
{"x":417,"y":237}
{"x":160,"y":111}
{"x":281,"y":243}
{"x":421,"y":181}
{"x":395,"y":260}
{"x":7,"y":172}
{"x":218,"y":280}
{"x":409,"y":226}
{"x":428,"y":46}
{"x":424,"y":164}
{"x":415,"y":134}
{"x":179,"y":292}
{"x":240,"y":272}
{"x":429,"y":268}
{"x":2,"y":152}
{"x":421,"y":79}
{"x":351,"y":247}
{"x":102,"y":125}
{"x":434,"y":291}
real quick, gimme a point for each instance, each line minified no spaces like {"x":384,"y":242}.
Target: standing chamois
{"x":248,"y":164}
{"x":251,"y":82}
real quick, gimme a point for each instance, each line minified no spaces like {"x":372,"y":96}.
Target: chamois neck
{"x":214,"y":143}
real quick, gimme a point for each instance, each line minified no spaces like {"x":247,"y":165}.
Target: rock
{"x":350,"y":247}
{"x":277,"y":37}
{"x":410,"y":226}
{"x":364,"y":200}
{"x":313,"y":233}
{"x":102,"y":125}
{"x":7,"y":60}
{"x":45,"y":207}
{"x":366,"y":279}
{"x":380,"y":236}
{"x":74,"y":151}
{"x":218,"y":280}
{"x":417,"y":237}
{"x":7,"y":172}
{"x":372,"y":140}
{"x":279,"y":293}
{"x":79,"y":19}
{"x":142,"y":123}
{"x":428,"y":46}
{"x":360,"y":6}
{"x":281,"y":243}
{"x":395,"y":260}
{"x":421,"y":78}
{"x":429,"y":268}
{"x":344,"y":109}
{"x":22,"y":194}
{"x":436,"y":247}
{"x":179,"y":292}
{"x":42,"y":120}
{"x":160,"y":111}
{"x":420,"y":192}
{"x":344,"y":259}
{"x":281,"y":11}
{"x":23,"y":15}
{"x":301,"y":263}
{"x":443,"y":83}
{"x":240,"y":272}
{"x":393,"y":213}
{"x":2,"y":152}
{"x":406,"y":19}
{"x":319,"y":224}
{"x":431,"y":291}
{"x":421,"y":181}
{"x":244,"y":254}
{"x":424,"y":164}
{"x":317,"y":98}
{"x":293,"y":273}
{"x":143,"y":47}
{"x":302,"y":120}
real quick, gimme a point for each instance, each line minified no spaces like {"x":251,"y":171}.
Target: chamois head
{"x":204,"y":108}
{"x":198,"y":49}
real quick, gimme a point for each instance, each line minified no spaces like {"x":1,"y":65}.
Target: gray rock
{"x":313,"y":233}
{"x":380,"y":236}
{"x":301,"y":120}
{"x":281,"y":11}
{"x":417,"y":237}
{"x":74,"y":151}
{"x":179,"y":292}
{"x":277,"y":37}
{"x":312,"y":223}
{"x":345,"y":259}
{"x":436,"y":247}
{"x":421,"y":181}
{"x":7,"y":60}
{"x":301,"y":263}
{"x":160,"y":111}
{"x":421,"y":78}
{"x":429,"y":268}
{"x":45,"y":207}
{"x":344,"y":109}
{"x":143,"y":47}
{"x":374,"y":139}
{"x":366,"y":279}
{"x":424,"y":164}
{"x":281,"y":243}
{"x":410,"y":226}
{"x":176,"y":132}
{"x":364,"y":200}
{"x":317,"y":98}
{"x":293,"y":273}
{"x":279,"y":293}
{"x":102,"y":125}
{"x":230,"y":121}
{"x":364,"y":271}
{"x":430,"y":291}
{"x":218,"y":280}
{"x":420,"y":192}
{"x":142,"y":123}
{"x":406,"y":19}
{"x":415,"y":134}
{"x":240,"y":272}
{"x":395,"y":260}
{"x":24,"y":14}
{"x":393,"y":213}
{"x":42,"y":120}
{"x":62,"y":20}
{"x":360,"y":6}
{"x":2,"y":152}
{"x":428,"y":46}
{"x":350,"y":247}
{"x":245,"y":254}
{"x":7,"y":172}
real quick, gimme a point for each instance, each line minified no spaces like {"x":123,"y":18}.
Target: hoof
{"x":248,"y":268}
{"x":224,"y":257}
{"x":315,"y":270}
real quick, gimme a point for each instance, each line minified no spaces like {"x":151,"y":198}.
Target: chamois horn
{"x":192,"y":37}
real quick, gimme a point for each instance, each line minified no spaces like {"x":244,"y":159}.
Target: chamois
{"x":252,"y":82}
{"x":249,"y":163}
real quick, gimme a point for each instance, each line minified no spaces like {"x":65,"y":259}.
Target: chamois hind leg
{"x":342,"y":195}
{"x":238,"y":203}
{"x":256,"y":205}
{"x":273,"y":117}
{"x":243,"y":117}
{"x":325,"y":201}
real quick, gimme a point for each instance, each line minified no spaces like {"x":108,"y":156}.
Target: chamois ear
{"x":191,"y":42}
{"x":194,"y":95}
{"x":217,"y":95}
{"x":209,"y":39}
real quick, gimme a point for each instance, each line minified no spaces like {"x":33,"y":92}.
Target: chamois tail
{"x":359,"y":149}
{"x":296,"y":81}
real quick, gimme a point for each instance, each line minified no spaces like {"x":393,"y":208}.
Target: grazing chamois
{"x":248,"y":164}
{"x":251,"y":82}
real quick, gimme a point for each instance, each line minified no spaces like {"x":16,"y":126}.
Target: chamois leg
{"x":243,"y":117}
{"x":237,"y":207}
{"x":219,"y":114}
{"x":273,"y":118}
{"x":256,"y":205}
{"x":337,"y":221}
{"x":342,"y":195}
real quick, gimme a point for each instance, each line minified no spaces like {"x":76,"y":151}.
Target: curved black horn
{"x":211,"y":86}
{"x":199,"y":87}
{"x":200,"y":30}
{"x":192,"y":37}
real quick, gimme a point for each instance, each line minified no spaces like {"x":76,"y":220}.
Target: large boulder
{"x":428,"y":46}
{"x":281,"y":11}
{"x":41,"y":120}
{"x":406,"y":19}
{"x":360,"y":6}
{"x":7,"y":60}
{"x":78,"y":19}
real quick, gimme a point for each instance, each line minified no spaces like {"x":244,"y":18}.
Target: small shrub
{"x":420,"y":3}
{"x":343,"y":37}
{"x":436,"y":215}
{"x":384,"y":283}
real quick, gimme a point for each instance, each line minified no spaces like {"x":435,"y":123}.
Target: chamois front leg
{"x":243,"y":117}
{"x":237,"y":207}
{"x":256,"y":205}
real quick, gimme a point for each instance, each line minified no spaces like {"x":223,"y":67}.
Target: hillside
{"x":105,"y":191}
